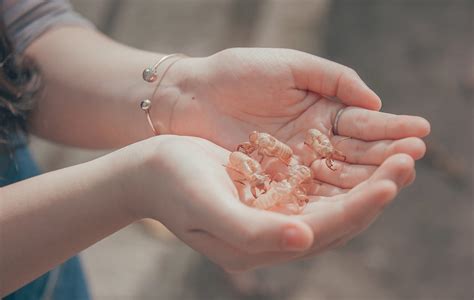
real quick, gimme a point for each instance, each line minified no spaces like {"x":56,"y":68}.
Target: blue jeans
{"x":66,"y":282}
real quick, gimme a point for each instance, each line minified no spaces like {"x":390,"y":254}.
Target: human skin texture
{"x":91,"y":92}
{"x":48,"y":218}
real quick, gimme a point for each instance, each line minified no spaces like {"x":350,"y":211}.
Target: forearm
{"x":49,"y":218}
{"x":92,"y":88}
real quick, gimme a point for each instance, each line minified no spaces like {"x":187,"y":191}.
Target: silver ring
{"x":336,"y":120}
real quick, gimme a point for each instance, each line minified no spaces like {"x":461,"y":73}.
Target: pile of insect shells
{"x":286,"y":190}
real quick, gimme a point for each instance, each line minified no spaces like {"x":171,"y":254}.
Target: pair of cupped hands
{"x":216,"y":101}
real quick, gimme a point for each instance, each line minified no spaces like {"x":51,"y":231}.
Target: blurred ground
{"x":418,"y":55}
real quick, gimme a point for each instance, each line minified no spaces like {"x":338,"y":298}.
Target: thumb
{"x":253,"y":230}
{"x":331,"y":79}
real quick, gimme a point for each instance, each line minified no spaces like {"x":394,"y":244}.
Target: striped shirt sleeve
{"x":25,"y":20}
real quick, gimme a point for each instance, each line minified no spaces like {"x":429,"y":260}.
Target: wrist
{"x":119,"y":170}
{"x":176,"y":89}
{"x":136,"y":173}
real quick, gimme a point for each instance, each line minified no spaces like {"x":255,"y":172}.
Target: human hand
{"x":283,"y":92}
{"x":181,"y":181}
{"x":279,"y":91}
{"x":335,"y":219}
{"x":226,"y":96}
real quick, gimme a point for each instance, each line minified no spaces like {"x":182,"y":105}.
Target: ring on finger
{"x":335,"y":130}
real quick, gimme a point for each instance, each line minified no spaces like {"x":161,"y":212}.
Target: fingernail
{"x":293,"y":240}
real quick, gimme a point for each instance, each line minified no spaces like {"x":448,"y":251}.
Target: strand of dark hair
{"x":19,"y":83}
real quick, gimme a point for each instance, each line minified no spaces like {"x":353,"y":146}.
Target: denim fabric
{"x":67,"y":281}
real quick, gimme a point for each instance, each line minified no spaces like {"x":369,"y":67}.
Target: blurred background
{"x":418,"y":55}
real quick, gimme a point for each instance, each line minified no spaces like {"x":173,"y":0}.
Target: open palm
{"x":205,"y":210}
{"x":285,"y":92}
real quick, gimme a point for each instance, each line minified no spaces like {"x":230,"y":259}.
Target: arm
{"x":46,"y":219}
{"x":85,"y":75}
{"x":92,"y":88}
{"x":49,"y":218}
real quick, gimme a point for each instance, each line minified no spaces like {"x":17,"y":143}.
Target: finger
{"x":325,"y":190}
{"x":352,"y":234}
{"x":331,"y":220}
{"x":369,"y":220}
{"x":221,"y":213}
{"x":254,"y":230}
{"x":398,"y":168}
{"x":411,"y":179}
{"x":394,"y":174}
{"x":374,"y":153}
{"x":352,"y":212}
{"x":370,"y":125}
{"x":344,"y":175}
{"x":232,"y":259}
{"x":332,"y":79}
{"x":229,"y":258}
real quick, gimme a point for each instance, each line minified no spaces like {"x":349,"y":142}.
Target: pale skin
{"x":92,"y":88}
